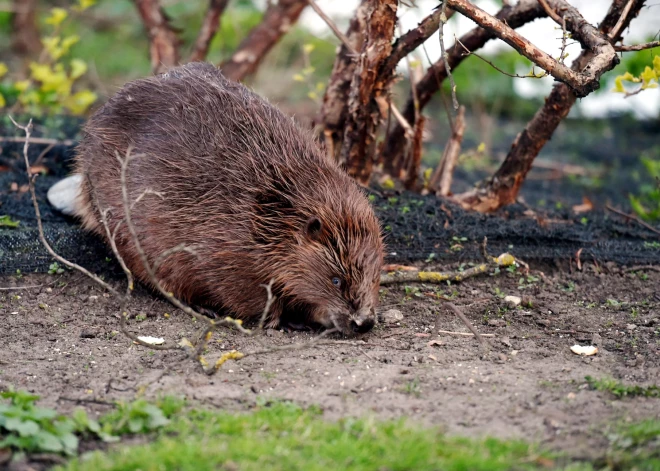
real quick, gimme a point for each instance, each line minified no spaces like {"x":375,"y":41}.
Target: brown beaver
{"x":242,"y":183}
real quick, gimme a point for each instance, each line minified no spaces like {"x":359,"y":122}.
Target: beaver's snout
{"x":361,"y":326}
{"x":362,"y":321}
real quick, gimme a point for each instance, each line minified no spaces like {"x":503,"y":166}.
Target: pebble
{"x":631,"y":327}
{"x":92,"y":298}
{"x":513,"y":300}
{"x":392,"y":316}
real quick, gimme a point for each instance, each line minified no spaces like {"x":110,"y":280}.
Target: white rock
{"x":513,"y":300}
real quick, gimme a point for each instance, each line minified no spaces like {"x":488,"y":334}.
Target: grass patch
{"x":621,"y":390}
{"x":286,"y":437}
{"x":283,"y":436}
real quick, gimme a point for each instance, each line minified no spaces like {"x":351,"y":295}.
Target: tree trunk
{"x":25,"y":38}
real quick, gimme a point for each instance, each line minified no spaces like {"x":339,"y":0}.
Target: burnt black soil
{"x":417,"y":227}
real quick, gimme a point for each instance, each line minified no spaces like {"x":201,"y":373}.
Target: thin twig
{"x":28,"y":132}
{"x":445,"y":56}
{"x":37,"y":140}
{"x":633,"y":218}
{"x":12,"y":288}
{"x":551,"y":13}
{"x":462,"y":334}
{"x":619,"y":24}
{"x":461,"y":316}
{"x":508,"y":74}
{"x":331,"y":24}
{"x":637,"y":47}
{"x":269,"y":303}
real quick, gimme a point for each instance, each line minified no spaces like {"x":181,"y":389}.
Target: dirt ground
{"x":60,"y":340}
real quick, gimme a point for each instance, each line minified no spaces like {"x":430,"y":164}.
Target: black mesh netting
{"x":416,"y":227}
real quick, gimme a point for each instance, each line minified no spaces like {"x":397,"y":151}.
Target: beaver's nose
{"x":362,"y":325}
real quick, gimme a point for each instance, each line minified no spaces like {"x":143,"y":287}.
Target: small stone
{"x":543,"y":322}
{"x":392,"y":316}
{"x":631,"y":327}
{"x":49,"y":290}
{"x":506,"y":342}
{"x":92,"y":298}
{"x":596,"y":339}
{"x":570,"y":396}
{"x":496,"y":322}
{"x":512,"y":301}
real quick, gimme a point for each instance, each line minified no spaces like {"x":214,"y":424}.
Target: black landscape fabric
{"x":417,"y":228}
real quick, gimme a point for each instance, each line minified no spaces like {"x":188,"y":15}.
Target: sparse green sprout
{"x":7,"y":221}
{"x":55,"y":269}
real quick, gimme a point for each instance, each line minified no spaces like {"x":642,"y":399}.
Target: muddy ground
{"x":61,"y":341}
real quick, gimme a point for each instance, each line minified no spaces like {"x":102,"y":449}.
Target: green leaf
{"x":46,"y":441}
{"x":25,"y":428}
{"x":135,"y":425}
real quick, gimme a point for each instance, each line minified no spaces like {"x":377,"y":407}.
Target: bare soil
{"x":61,"y":341}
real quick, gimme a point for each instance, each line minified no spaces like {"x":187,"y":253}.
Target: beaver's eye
{"x":336,"y":281}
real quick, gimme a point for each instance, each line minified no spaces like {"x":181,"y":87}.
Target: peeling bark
{"x":367,"y":88}
{"x":164,"y":43}
{"x":278,"y":19}
{"x":335,"y":100}
{"x":504,"y":186}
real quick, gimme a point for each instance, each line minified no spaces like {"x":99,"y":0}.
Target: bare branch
{"x":331,"y":24}
{"x":445,"y":57}
{"x":582,"y":82}
{"x":208,"y":30}
{"x":164,"y":44}
{"x":444,"y":173}
{"x":503,"y":187}
{"x":637,"y":47}
{"x":277,"y":21}
{"x":392,"y":153}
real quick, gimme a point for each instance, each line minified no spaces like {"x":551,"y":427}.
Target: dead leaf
{"x":13,"y":187}
{"x":38,"y":169}
{"x":585,"y":207}
{"x":422,"y":334}
{"x":434,"y":342}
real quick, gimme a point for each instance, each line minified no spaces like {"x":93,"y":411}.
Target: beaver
{"x":231,"y":175}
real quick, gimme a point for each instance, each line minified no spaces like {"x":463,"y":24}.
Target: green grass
{"x":286,"y":437}
{"x":171,"y":435}
{"x":620,"y":390}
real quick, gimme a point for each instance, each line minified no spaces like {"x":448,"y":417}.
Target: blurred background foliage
{"x":111,"y":48}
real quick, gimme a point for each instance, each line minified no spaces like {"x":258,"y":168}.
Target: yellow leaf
{"x":22,"y":85}
{"x":84,"y":4}
{"x":648,"y":76}
{"x":3,"y":103}
{"x":387,"y":184}
{"x":3,"y":69}
{"x":79,"y":102}
{"x":298,"y":78}
{"x":618,"y":85}
{"x":69,"y":41}
{"x":427,"y":176}
{"x":482,"y":147}
{"x":308,"y":48}
{"x":656,"y":64}
{"x":312,"y":95}
{"x":78,"y":68}
{"x":52,"y":46}
{"x":57,"y":15}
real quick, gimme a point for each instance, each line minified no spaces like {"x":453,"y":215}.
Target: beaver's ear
{"x":313,"y":228}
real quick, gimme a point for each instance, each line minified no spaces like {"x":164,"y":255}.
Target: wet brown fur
{"x":243,"y":183}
